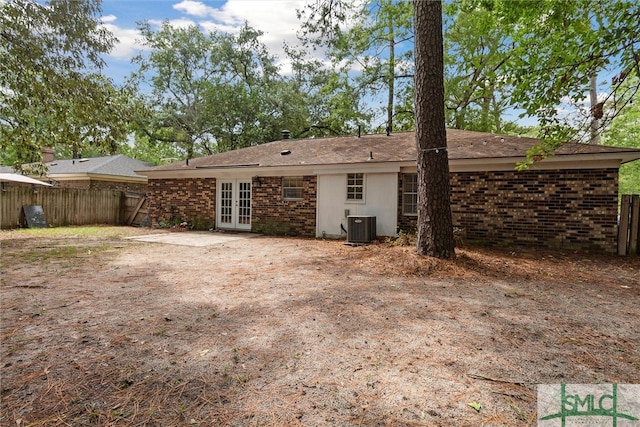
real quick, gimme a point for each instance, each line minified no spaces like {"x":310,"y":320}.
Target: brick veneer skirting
{"x":554,"y":208}
{"x":92,"y":184}
{"x":272,"y":215}
{"x":127,"y":187}
{"x":189,"y":199}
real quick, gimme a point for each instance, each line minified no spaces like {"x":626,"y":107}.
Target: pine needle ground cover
{"x":99,"y":330}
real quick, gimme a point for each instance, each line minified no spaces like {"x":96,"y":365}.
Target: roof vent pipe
{"x":286,"y":134}
{"x":187,"y":161}
{"x":359,"y":131}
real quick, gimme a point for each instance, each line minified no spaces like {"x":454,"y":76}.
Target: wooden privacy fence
{"x":629,"y":227}
{"x":135,"y":210}
{"x":62,"y":206}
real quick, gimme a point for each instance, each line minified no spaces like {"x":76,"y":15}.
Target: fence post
{"x":635,"y":224}
{"x":123,"y":208}
{"x":623,"y":226}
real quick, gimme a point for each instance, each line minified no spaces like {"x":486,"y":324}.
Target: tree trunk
{"x":595,"y":122}
{"x":435,"y":226}
{"x":391,"y":80}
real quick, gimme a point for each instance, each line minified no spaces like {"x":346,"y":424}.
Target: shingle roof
{"x":118,"y":165}
{"x":397,"y":147}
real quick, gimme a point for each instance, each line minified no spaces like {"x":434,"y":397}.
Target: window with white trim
{"x":292,"y":187}
{"x":410,"y":194}
{"x":355,"y":187}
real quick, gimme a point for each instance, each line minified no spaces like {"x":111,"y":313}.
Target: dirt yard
{"x":98,"y":330}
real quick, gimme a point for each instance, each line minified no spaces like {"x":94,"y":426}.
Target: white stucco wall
{"x":380,"y":200}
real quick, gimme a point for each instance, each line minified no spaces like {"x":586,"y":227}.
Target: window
{"x":355,"y":186}
{"x":292,"y":187}
{"x":410,"y":194}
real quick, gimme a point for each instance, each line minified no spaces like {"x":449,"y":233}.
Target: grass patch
{"x":86,"y":232}
{"x":63,"y":252}
{"x":55,"y":253}
{"x":33,"y":245}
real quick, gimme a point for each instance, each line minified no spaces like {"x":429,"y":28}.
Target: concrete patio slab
{"x":193,"y":238}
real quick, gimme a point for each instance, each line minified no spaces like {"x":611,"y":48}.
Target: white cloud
{"x":276,"y":19}
{"x":195,"y":8}
{"x":127,"y":45}
{"x":212,"y":27}
{"x":581,"y":100}
{"x":106,"y":18}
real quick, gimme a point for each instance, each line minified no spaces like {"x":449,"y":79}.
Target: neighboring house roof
{"x":118,"y":165}
{"x":14,"y":177}
{"x":466,"y":149}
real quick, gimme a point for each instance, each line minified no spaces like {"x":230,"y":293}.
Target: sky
{"x":275,"y":18}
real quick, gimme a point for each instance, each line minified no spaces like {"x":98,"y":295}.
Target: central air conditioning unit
{"x":361,"y":228}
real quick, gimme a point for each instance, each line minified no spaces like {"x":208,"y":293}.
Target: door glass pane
{"x":244,"y":203}
{"x":226,"y":203}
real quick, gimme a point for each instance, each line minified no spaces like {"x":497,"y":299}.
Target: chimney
{"x":286,"y":134}
{"x":47,"y":155}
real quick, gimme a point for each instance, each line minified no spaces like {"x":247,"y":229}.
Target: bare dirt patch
{"x":97,"y":330}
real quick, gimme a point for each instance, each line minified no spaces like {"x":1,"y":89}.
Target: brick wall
{"x":82,"y":184}
{"x":127,"y":187}
{"x":557,"y":208}
{"x":272,"y":215}
{"x":191,"y":200}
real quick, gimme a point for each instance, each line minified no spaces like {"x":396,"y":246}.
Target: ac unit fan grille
{"x":361,"y":229}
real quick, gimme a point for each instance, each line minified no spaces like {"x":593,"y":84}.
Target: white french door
{"x":234,"y":204}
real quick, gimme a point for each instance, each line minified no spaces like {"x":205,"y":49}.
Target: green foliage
{"x":51,"y":89}
{"x":176,"y":72}
{"x":212,"y":92}
{"x":404,"y":238}
{"x":624,"y":131}
{"x":369,"y":45}
{"x":200,"y":223}
{"x":476,"y":51}
{"x":275,"y":228}
{"x":151,"y":151}
{"x":319,"y":101}
{"x":557,"y":47}
{"x":475,"y":405}
{"x":366,"y":36}
{"x":630,"y":178}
